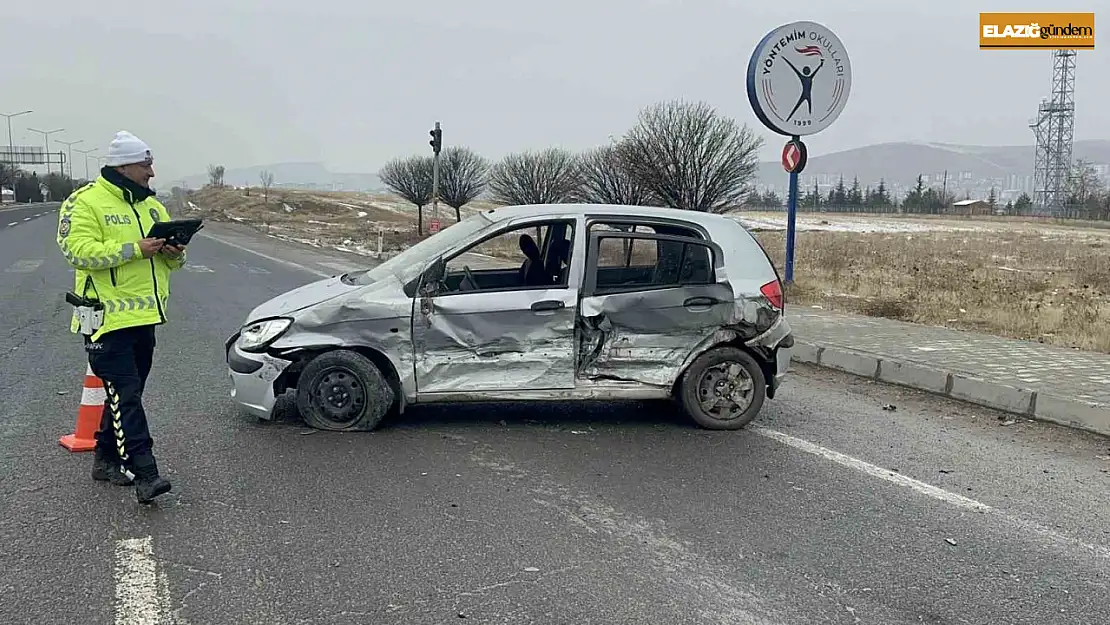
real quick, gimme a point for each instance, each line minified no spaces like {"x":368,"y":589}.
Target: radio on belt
{"x":90,"y":313}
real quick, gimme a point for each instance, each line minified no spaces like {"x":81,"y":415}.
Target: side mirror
{"x":430,"y":280}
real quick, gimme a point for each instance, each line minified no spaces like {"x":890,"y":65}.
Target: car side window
{"x":532,"y":256}
{"x":649,"y":262}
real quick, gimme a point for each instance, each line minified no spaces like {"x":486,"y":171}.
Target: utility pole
{"x":69,"y":158}
{"x":11,"y":144}
{"x":437,"y":145}
{"x":46,"y":143}
{"x":85,"y":153}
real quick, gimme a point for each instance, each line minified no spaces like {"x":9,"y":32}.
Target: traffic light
{"x":437,"y":139}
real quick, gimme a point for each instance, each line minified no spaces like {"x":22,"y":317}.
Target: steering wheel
{"x":469,"y":277}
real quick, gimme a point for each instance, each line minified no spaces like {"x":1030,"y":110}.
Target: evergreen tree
{"x":855,"y":196}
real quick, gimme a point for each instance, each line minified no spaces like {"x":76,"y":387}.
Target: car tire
{"x":714,"y":372}
{"x":343,"y":391}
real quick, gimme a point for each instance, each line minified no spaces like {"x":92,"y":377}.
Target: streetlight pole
{"x":11,"y":144}
{"x":70,"y":145}
{"x":46,"y":142}
{"x":86,"y":155}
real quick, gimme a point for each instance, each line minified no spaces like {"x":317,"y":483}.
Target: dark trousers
{"x":122,"y":360}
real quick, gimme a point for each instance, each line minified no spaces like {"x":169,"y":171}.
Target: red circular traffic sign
{"x":794,"y":156}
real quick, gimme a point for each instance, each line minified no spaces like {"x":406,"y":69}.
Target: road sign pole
{"x":794,"y":157}
{"x":799,"y":54}
{"x":791,"y":214}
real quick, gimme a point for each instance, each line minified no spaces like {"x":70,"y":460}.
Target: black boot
{"x":148,"y":484}
{"x":106,"y":467}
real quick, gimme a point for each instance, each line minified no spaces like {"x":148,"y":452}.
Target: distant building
{"x":970,"y":207}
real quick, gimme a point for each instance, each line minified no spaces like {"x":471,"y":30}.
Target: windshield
{"x":409,"y":263}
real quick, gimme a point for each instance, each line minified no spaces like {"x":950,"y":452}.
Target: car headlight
{"x":258,"y":335}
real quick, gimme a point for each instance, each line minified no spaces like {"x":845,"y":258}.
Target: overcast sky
{"x":352,"y":83}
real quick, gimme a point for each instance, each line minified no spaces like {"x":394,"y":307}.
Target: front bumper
{"x":252,"y":379}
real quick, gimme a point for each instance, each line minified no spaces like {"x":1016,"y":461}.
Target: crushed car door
{"x":647,"y":301}
{"x":501,"y":329}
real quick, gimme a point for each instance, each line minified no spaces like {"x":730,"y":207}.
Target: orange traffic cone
{"x":88,"y":415}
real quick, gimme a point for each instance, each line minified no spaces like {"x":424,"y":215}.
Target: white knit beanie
{"x":127,"y":149}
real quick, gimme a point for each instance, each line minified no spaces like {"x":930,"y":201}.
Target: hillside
{"x":901,"y":162}
{"x":342,"y":220}
{"x":301,"y":175}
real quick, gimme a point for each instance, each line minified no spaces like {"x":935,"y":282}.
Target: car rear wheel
{"x":723,"y":389}
{"x":343,"y":391}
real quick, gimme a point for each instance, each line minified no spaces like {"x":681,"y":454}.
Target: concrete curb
{"x":1073,"y":413}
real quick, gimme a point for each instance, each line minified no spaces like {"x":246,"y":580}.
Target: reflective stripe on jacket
{"x":99,"y":229}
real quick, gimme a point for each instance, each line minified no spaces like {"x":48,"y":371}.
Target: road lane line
{"x":875,"y":471}
{"x":282,"y":261}
{"x":26,"y":265}
{"x":28,"y":218}
{"x":929,"y":490}
{"x":14,"y":223}
{"x":141,"y":592}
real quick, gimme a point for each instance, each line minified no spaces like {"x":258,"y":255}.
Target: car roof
{"x":707,"y":220}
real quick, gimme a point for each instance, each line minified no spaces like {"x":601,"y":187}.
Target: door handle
{"x":548,"y":304}
{"x":701,"y":301}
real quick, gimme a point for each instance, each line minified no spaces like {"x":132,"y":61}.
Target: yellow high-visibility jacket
{"x":99,"y":229}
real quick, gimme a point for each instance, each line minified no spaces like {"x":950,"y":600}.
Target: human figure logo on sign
{"x":798,"y":64}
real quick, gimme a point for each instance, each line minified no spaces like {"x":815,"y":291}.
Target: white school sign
{"x":799,"y":78}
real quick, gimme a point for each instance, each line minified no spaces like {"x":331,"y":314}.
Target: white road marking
{"x":884,"y":474}
{"x":142,"y":596}
{"x":928,"y":489}
{"x":198,"y":268}
{"x":281,"y":261}
{"x":25,"y":266}
{"x":14,"y":223}
{"x":28,"y":218}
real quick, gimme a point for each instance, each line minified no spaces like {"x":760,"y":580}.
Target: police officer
{"x":102,"y":234}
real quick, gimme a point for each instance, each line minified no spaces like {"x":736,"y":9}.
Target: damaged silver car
{"x":556,"y":303}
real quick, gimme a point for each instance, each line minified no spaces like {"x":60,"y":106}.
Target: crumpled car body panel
{"x":572,"y":340}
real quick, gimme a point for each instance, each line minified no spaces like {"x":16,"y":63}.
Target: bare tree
{"x":690,"y":156}
{"x":216,"y":175}
{"x":605,"y":180}
{"x":550,"y":176}
{"x":410,"y":178}
{"x":267,"y":180}
{"x":1083,"y":182}
{"x":462,"y":177}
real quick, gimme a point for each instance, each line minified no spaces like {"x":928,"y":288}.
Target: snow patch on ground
{"x":825,"y":222}
{"x":860,"y":225}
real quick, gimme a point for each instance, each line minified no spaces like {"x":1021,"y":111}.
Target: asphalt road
{"x":849,"y":502}
{"x":14,"y":215}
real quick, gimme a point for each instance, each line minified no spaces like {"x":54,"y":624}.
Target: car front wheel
{"x":723,"y":389}
{"x":343,"y":391}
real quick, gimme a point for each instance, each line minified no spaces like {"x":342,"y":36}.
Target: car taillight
{"x":773,"y":292}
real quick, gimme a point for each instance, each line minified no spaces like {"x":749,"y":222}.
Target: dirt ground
{"x":1051,"y":286}
{"x":1046,"y":282}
